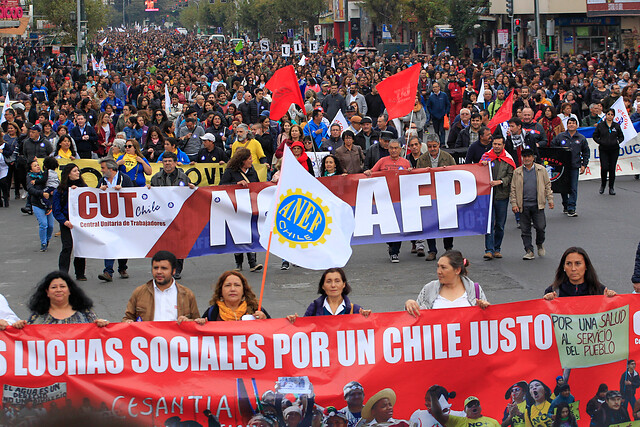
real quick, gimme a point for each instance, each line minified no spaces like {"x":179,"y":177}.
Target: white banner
{"x":297,"y":47}
{"x":20,"y":395}
{"x":264,"y":45}
{"x":628,"y":162}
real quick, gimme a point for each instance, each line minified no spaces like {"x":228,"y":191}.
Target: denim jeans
{"x":569,"y":200}
{"x":108,"y":265}
{"x":394,"y":247}
{"x":493,"y":240}
{"x":45,"y":224}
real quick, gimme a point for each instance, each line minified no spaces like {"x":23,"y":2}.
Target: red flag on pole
{"x":505,"y":112}
{"x":398,"y":92}
{"x":284,"y":86}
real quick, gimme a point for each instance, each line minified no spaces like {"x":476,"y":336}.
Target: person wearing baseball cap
{"x":471,"y":407}
{"x":335,"y":418}
{"x":529,"y":194}
{"x":354,"y":395}
{"x":612,"y":411}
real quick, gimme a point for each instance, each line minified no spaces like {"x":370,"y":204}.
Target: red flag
{"x":505,"y":112}
{"x":398,"y":92}
{"x":284,"y":86}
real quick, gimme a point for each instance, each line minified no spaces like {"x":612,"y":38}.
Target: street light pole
{"x":79,"y":31}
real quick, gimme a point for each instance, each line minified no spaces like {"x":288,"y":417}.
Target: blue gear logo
{"x":301,"y":219}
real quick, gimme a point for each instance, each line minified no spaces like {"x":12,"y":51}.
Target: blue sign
{"x":290,"y":33}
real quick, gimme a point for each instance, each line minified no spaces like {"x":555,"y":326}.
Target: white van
{"x":217,"y":38}
{"x":181,"y":30}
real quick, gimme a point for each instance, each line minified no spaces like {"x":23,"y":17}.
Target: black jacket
{"x":233,"y":176}
{"x":256,"y":110}
{"x":530,"y":141}
{"x":213,"y":311}
{"x":577,"y":144}
{"x":464,"y":138}
{"x":609,"y":138}
{"x":84,"y":147}
{"x":636,"y":270}
{"x":361,"y":141}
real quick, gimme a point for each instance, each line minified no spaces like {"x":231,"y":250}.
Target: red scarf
{"x":491,"y":156}
{"x":303,"y":157}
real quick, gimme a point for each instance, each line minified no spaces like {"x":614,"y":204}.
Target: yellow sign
{"x":200,"y":174}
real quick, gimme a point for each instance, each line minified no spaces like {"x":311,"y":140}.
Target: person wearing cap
{"x":292,"y":415}
{"x":335,"y":418}
{"x":351,"y":156}
{"x":354,"y":395}
{"x":355,"y":123}
{"x":612,"y":411}
{"x":424,"y":417}
{"x":517,"y":406}
{"x":210,"y":152}
{"x":367,"y":137}
{"x":473,"y":412}
{"x":35,"y":146}
{"x":379,"y":410}
{"x":378,"y":151}
{"x":595,"y":404}
{"x":324,"y":91}
{"x":530,"y":193}
{"x":316,"y":128}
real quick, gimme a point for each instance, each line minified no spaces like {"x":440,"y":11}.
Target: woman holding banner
{"x":233,"y":299}
{"x":133,"y":163}
{"x":59,"y":300}
{"x":452,"y":289}
{"x":576,"y":276}
{"x":333,"y":289}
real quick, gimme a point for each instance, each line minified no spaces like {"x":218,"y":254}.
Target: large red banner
{"x":157,"y":370}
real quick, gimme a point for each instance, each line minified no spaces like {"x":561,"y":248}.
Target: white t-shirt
{"x":5,"y":311}
{"x":423,"y":418}
{"x":166,"y":303}
{"x":442,"y":302}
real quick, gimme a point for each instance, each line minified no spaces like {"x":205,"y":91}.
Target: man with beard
{"x":612,"y":412}
{"x":514,"y":412}
{"x":472,"y":409}
{"x":162,"y":299}
{"x":354,"y":396}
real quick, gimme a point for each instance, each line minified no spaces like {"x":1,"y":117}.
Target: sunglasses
{"x":128,"y":146}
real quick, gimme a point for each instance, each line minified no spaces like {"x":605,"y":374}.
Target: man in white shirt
{"x":162,"y":299}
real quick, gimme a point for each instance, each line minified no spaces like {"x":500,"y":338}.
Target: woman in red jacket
{"x":106,"y":134}
{"x":551,"y":123}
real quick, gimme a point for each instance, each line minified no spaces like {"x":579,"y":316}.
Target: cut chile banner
{"x":388,"y":206}
{"x":153,"y":371}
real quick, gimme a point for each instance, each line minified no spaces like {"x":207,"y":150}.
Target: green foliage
{"x":465,"y":18}
{"x":209,"y":15}
{"x":58,"y":13}
{"x":428,"y":13}
{"x":268,"y":17}
{"x":387,"y":12}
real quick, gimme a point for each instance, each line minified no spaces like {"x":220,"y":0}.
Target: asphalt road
{"x":607,"y":227}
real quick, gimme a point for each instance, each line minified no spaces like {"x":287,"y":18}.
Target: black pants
{"x":19,"y":176}
{"x":251,"y":257}
{"x":394,"y":247}
{"x":65,"y":254}
{"x":608,"y":163}
{"x":528,"y":215}
{"x":438,"y":129}
{"x":179,"y":266}
{"x":5,"y":185}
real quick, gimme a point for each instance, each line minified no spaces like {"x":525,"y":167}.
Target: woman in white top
{"x":452,"y":289}
{"x":565,"y":113}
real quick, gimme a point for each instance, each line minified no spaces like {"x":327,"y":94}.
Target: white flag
{"x":94,"y":64}
{"x":481,"y":92}
{"x":103,"y":41}
{"x":311,"y":226}
{"x":145,"y":30}
{"x":102,"y":67}
{"x":303,"y":61}
{"x":167,"y":100}
{"x":333,"y":63}
{"x":341,"y":120}
{"x":622,"y":117}
{"x":7,"y":102}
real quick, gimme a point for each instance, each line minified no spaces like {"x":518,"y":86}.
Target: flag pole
{"x":266,"y":257}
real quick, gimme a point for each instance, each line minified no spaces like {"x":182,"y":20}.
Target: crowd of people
{"x":219,"y":112}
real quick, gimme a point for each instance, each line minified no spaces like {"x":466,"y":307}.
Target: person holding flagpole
{"x":608,"y":135}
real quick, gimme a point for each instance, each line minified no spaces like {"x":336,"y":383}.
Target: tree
{"x":387,"y":12}
{"x":428,"y":14}
{"x":465,"y":18}
{"x":58,"y":13}
{"x":258,"y":18}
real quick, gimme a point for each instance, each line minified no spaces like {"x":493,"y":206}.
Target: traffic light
{"x":517,"y":25}
{"x":510,"y":7}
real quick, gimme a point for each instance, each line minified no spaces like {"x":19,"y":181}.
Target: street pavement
{"x":607,"y":227}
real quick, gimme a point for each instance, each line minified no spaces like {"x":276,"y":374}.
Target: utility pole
{"x":536,"y":39}
{"x":510,"y":14}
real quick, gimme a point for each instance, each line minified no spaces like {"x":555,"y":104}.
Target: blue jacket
{"x":182,"y":157}
{"x":438,"y":105}
{"x":316,"y":307}
{"x":60,"y":206}
{"x":115,"y":103}
{"x":312,"y":127}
